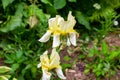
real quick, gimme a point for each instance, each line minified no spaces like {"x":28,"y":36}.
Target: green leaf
{"x":5,"y":3}
{"x":59,"y":4}
{"x":12,"y":23}
{"x":19,"y":54}
{"x":15,"y":67}
{"x":34,"y":70}
{"x":105,"y":48}
{"x":34,"y":10}
{"x":83,"y":20}
{"x":9,"y":61}
{"x":4,"y":69}
{"x":113,"y":54}
{"x":66,"y":58}
{"x":72,"y":0}
{"x":87,"y":71}
{"x":46,"y":2}
{"x":66,"y":65}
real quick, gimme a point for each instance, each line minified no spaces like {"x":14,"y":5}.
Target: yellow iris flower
{"x":50,"y":63}
{"x":58,"y":26}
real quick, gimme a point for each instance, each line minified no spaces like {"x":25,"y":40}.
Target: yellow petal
{"x":45,"y":37}
{"x":64,"y":27}
{"x":56,"y":40}
{"x":46,"y":75}
{"x":60,"y":73}
{"x":54,"y":59}
{"x":44,"y":60}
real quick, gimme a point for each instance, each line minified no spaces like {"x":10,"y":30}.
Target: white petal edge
{"x":46,"y":75}
{"x":39,"y":65}
{"x":56,"y":40}
{"x":52,"y":22}
{"x":68,"y":42}
{"x":60,"y":73}
{"x":45,"y":37}
{"x":73,"y":38}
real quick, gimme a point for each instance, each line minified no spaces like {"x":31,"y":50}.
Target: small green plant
{"x":5,"y":73}
{"x":104,"y":60}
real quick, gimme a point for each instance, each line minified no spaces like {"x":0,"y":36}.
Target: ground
{"x":77,"y":70}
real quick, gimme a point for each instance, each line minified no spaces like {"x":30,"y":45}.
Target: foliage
{"x":104,"y":60}
{"x":22,"y":22}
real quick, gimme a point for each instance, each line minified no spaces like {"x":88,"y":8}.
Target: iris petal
{"x":44,"y":60}
{"x":45,"y":37}
{"x":46,"y":75}
{"x":68,"y":42}
{"x":60,"y":73}
{"x":54,"y":59}
{"x":56,"y":40}
{"x":73,"y":38}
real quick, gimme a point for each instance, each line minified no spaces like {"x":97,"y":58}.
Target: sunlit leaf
{"x":15,"y":67}
{"x":46,"y":2}
{"x":5,"y":3}
{"x":105,"y":48}
{"x":72,"y":0}
{"x":66,"y":58}
{"x":35,"y":11}
{"x":4,"y":69}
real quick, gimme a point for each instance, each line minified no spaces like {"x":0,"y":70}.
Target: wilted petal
{"x":45,"y":37}
{"x":68,"y":42}
{"x":56,"y":40}
{"x":54,"y":22}
{"x":60,"y":73}
{"x":46,"y":75}
{"x":71,"y":20}
{"x":54,"y":59}
{"x":60,"y":19}
{"x":73,"y":38}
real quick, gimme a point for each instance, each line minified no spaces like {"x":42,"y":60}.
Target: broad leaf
{"x":83,"y":20}
{"x":13,"y":21}
{"x":46,"y":2}
{"x":5,"y":3}
{"x":34,"y":10}
{"x":59,"y":4}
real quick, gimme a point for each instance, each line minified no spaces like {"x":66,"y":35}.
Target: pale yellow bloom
{"x":50,"y":63}
{"x":59,"y":27}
